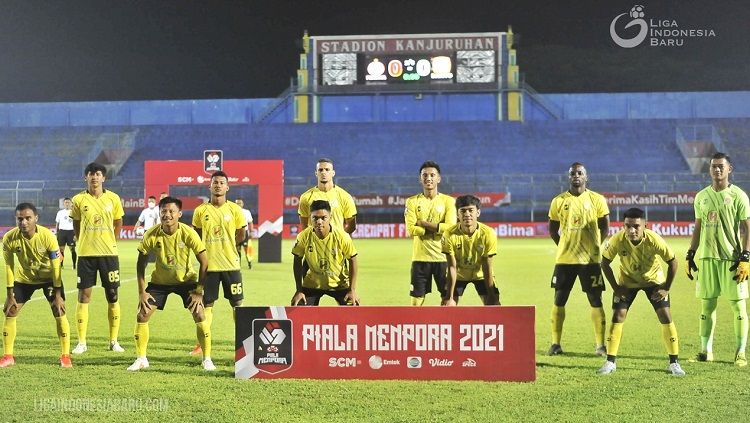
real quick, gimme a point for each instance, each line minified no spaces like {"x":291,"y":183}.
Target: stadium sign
{"x":425,"y":343}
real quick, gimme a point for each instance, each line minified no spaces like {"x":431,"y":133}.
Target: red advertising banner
{"x":502,"y":229}
{"x":649,"y":199}
{"x":416,"y":343}
{"x":488,"y":199}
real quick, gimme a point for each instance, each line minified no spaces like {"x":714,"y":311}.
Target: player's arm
{"x":77,"y":228}
{"x":298,"y":297}
{"x":493,"y":298}
{"x":145,"y":300}
{"x":410,"y":218}
{"x":554,"y":230}
{"x":117,"y":224}
{"x":239,"y":236}
{"x":452,"y":275}
{"x":618,"y":290}
{"x":10,"y":299}
{"x":603,"y":224}
{"x":690,"y":265}
{"x":663,"y":291}
{"x":196,"y":296}
{"x":352,"y":297}
{"x":350,"y":224}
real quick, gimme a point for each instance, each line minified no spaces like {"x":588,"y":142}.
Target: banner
{"x":649,"y":199}
{"x":415,"y":343}
{"x":488,"y":199}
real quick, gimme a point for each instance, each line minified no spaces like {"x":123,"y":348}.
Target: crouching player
{"x":640,"y":270}
{"x":331,"y":261}
{"x":39,"y":259}
{"x":469,"y":247}
{"x":173,"y":243}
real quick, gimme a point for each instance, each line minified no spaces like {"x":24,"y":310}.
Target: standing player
{"x":65,"y":232}
{"x":97,"y":220}
{"x":39,"y":268}
{"x":331,"y":258}
{"x":221,"y":226}
{"x":578,"y":222}
{"x":173,"y":243}
{"x":149,"y":217}
{"x":640,"y":270}
{"x":722,"y":243}
{"x":343,"y":209}
{"x":247,"y":243}
{"x":427,"y":216}
{"x":469,"y":247}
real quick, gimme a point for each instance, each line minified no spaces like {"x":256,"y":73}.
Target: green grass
{"x":566,"y":388}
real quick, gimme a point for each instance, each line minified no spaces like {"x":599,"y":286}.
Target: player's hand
{"x":299,"y":299}
{"x":351,"y":298}
{"x":659,"y":294}
{"x":10,"y":305}
{"x":58,"y":303}
{"x":145,"y":302}
{"x":450,"y":302}
{"x":620,"y":292}
{"x":690,"y":259}
{"x":196,"y":302}
{"x":741,"y":267}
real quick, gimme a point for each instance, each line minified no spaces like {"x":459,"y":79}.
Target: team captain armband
{"x":54,"y":254}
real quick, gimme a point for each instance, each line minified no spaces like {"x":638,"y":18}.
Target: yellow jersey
{"x":440,"y":210}
{"x":34,"y":255}
{"x":174,"y":254}
{"x":96,"y":215}
{"x":469,"y":250}
{"x":639,"y":266}
{"x":342,"y":204}
{"x":326,"y":258}
{"x":218,"y":226}
{"x":580,"y":239}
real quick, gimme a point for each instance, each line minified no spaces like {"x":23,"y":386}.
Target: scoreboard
{"x":395,"y":62}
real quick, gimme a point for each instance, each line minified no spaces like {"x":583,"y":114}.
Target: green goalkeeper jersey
{"x":720,"y":214}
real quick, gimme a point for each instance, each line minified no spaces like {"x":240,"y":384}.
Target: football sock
{"x":613,"y":340}
{"x":417,"y":301}
{"x":209,"y":313}
{"x":203,"y":333}
{"x":9,"y":335}
{"x":63,"y":333}
{"x":141,"y":336}
{"x":557,"y":320}
{"x":82,"y":321}
{"x":113,"y":315}
{"x":669,"y":334}
{"x":707,"y":324}
{"x":739,"y":309}
{"x":599,"y":320}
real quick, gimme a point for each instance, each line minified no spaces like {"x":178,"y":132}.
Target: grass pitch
{"x":99,"y":388}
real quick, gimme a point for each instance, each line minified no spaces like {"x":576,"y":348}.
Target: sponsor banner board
{"x":642,"y":199}
{"x":493,"y":343}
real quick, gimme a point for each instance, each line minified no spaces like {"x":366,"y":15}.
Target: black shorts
{"x":65,"y":237}
{"x":23,"y":291}
{"x":624,"y":304}
{"x":312,"y":296}
{"x":107,"y":267}
{"x":478,"y":285}
{"x":564,"y":277}
{"x":230,"y":280}
{"x":161,"y":292}
{"x":422,"y":273}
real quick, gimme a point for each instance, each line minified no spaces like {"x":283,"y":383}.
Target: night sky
{"x":76,"y":50}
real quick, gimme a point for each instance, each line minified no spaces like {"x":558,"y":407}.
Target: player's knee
{"x":57,"y":311}
{"x":111,"y":295}
{"x":561,"y":298}
{"x":595,"y":299}
{"x":619,"y":316}
{"x":236,"y":303}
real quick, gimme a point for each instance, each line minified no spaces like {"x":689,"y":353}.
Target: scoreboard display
{"x":440,"y":60}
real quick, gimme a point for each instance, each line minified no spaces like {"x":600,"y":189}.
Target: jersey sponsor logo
{"x":713,"y":216}
{"x":97,"y":220}
{"x":273,"y":338}
{"x":217,"y":231}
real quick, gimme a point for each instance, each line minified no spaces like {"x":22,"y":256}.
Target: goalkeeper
{"x":721,"y":242}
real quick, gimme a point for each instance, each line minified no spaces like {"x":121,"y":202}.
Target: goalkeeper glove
{"x":742,"y":266}
{"x":690,"y":259}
